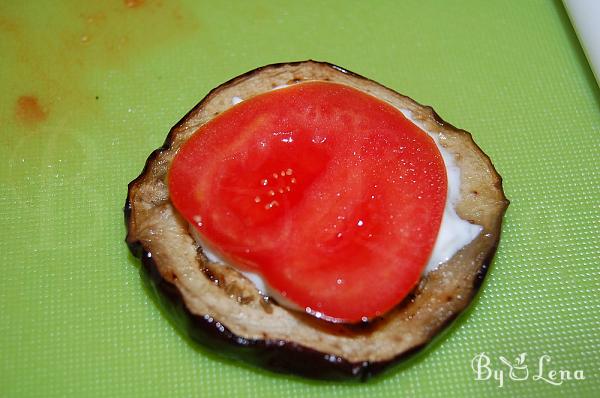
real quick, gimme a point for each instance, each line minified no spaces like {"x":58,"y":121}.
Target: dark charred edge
{"x":282,"y":356}
{"x":487,"y":261}
{"x":134,"y":246}
{"x":276,"y":355}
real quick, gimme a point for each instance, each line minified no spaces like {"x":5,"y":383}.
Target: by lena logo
{"x":518,"y":370}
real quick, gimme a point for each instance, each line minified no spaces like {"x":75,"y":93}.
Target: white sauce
{"x":454,"y":234}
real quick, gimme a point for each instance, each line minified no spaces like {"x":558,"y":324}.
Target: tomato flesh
{"x":330,"y":194}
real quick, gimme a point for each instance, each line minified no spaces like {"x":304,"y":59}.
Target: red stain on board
{"x":28,"y":110}
{"x":52,"y":73}
{"x":8,"y":26}
{"x":134,"y":3}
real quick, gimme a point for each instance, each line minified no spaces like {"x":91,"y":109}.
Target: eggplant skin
{"x":275,"y":355}
{"x":312,"y":348}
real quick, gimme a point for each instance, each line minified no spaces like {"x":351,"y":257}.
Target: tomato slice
{"x":331,"y":194}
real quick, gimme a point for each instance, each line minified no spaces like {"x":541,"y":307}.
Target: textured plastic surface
{"x":89,"y":89}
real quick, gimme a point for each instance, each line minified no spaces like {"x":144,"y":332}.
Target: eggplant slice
{"x":222,"y":310}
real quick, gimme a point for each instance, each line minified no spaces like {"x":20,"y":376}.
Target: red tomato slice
{"x":332,"y":195}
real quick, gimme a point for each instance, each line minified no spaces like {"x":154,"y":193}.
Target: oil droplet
{"x":339,"y":235}
{"x":273,"y":203}
{"x":198,"y":221}
{"x":283,"y":173}
{"x":339,"y":281}
{"x":275,"y":175}
{"x":289,"y":172}
{"x":257,"y":199}
{"x":360,"y":223}
{"x":264,"y":182}
{"x":293,"y":180}
{"x":272,"y":193}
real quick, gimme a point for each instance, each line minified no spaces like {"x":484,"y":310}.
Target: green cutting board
{"x":90,"y":88}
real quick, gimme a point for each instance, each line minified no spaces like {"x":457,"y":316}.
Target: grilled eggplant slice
{"x":222,"y":310}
